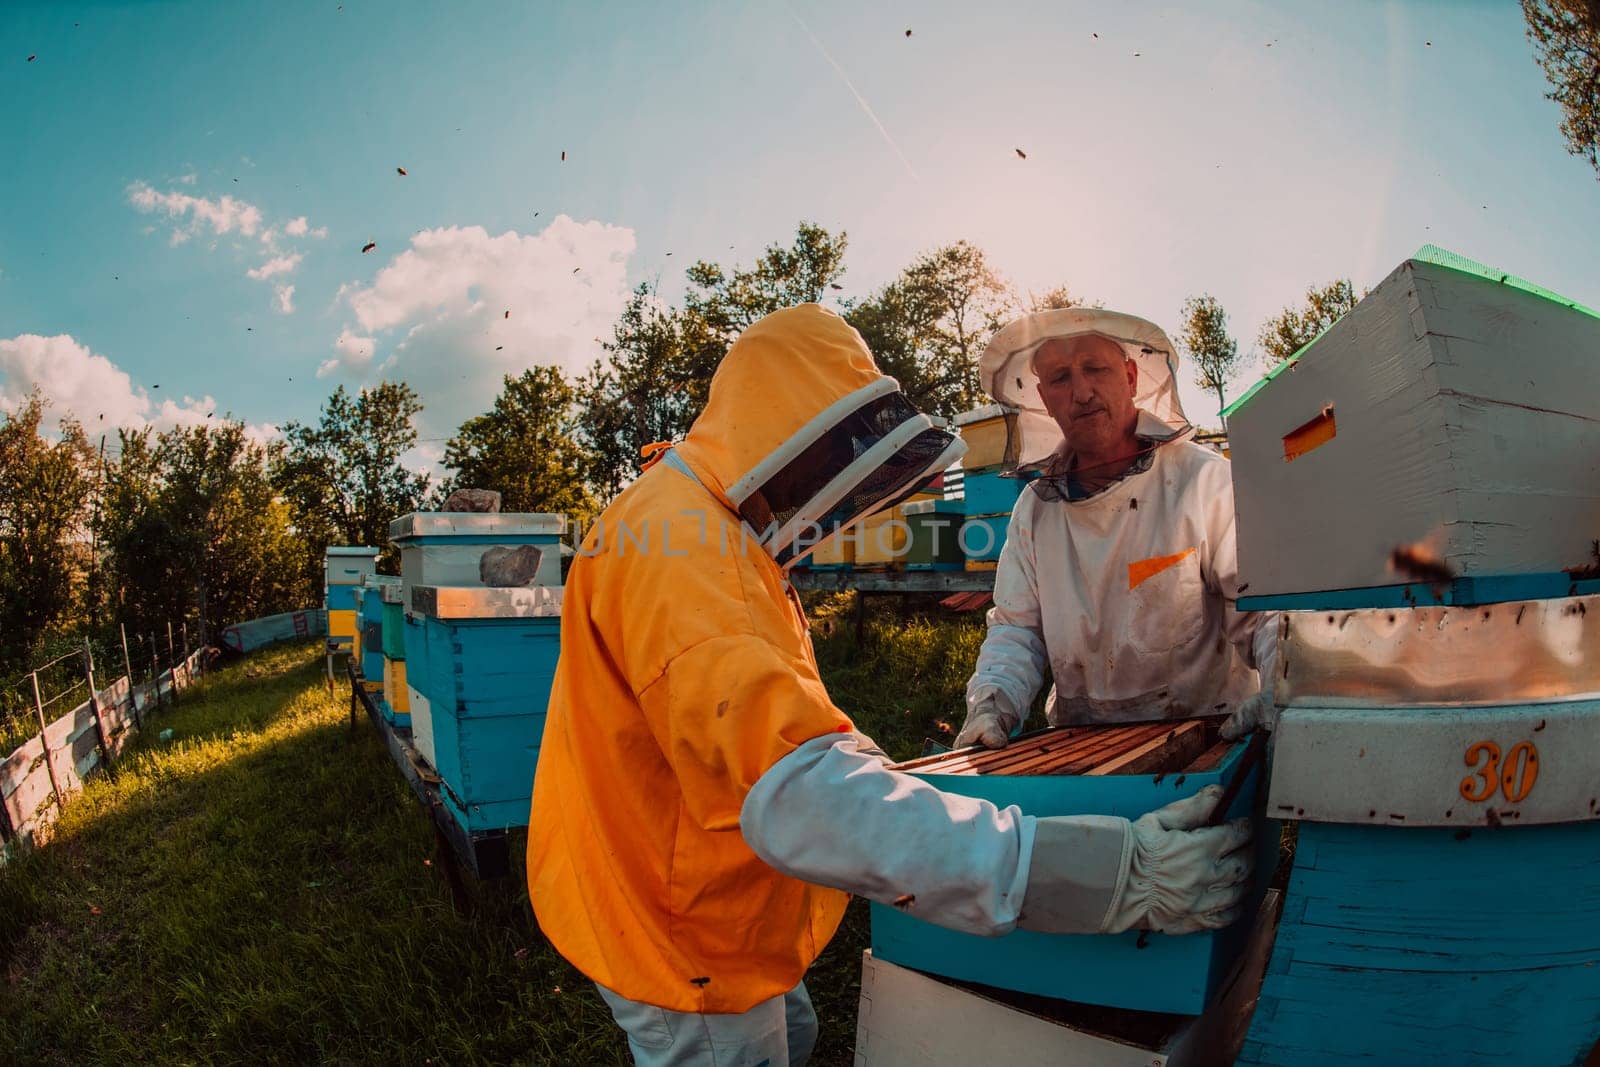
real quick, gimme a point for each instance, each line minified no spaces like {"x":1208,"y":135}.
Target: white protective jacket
{"x":1128,"y":599}
{"x":1127,"y":596}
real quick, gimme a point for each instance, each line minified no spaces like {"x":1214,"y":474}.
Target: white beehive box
{"x":910,"y":1019}
{"x":444,"y":548}
{"x":349,"y":564}
{"x":1453,"y":408}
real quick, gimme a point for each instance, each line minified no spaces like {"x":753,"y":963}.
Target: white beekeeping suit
{"x":1127,"y":595}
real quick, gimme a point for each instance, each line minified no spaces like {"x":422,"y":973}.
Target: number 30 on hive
{"x":1512,"y":776}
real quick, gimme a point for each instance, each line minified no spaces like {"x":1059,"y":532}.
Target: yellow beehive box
{"x":394,"y":686}
{"x":342,"y":623}
{"x":882,"y":539}
{"x":988,"y":432}
{"x":838,"y":552}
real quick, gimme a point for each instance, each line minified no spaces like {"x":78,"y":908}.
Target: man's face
{"x":1087,"y":386}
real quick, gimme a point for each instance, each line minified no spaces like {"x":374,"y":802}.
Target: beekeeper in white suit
{"x":1119,"y":574}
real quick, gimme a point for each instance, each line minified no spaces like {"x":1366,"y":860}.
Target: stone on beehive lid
{"x":506,"y":568}
{"x":481,"y":500}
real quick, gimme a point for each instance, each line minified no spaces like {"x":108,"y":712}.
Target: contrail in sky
{"x":848,"y":84}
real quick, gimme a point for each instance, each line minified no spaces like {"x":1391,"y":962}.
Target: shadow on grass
{"x":264,"y":889}
{"x":267,"y":889}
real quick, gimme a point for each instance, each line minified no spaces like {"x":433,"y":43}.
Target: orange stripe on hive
{"x":1313,"y":434}
{"x":1145,"y":569}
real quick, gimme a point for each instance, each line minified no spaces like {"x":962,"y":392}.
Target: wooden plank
{"x":31,"y":792}
{"x":1448,"y":946}
{"x":1115,"y":741}
{"x":1210,"y":759}
{"x":19,"y":764}
{"x":1057,"y":751}
{"x":1173,"y":749}
{"x":982,"y":759}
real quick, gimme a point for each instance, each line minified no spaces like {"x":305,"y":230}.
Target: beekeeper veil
{"x":863,"y":454}
{"x":1006,"y":371}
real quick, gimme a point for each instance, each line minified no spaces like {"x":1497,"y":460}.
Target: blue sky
{"x":1246,"y":150}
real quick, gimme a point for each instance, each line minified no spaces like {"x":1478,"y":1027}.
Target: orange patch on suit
{"x":1145,"y":569}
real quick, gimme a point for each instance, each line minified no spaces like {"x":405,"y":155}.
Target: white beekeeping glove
{"x":989,"y":723}
{"x":1166,"y":871}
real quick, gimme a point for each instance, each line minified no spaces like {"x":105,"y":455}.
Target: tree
{"x":1293,"y":328}
{"x":526,"y":448}
{"x":193,"y":527}
{"x":928,"y":327}
{"x":1204,"y":336}
{"x":657,"y":373}
{"x":1566,"y":41}
{"x":46,"y":488}
{"x":721,"y":304}
{"x":637,"y":396}
{"x":345,"y":479}
{"x":1050,"y":300}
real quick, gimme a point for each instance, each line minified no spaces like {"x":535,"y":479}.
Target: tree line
{"x":204,"y":523}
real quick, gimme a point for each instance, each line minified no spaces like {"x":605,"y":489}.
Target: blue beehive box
{"x":370,"y":620}
{"x":988,"y":492}
{"x":343,"y":568}
{"x":1149,"y":972}
{"x":488,"y":662}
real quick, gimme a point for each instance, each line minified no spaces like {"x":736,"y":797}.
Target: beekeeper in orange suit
{"x":701,"y":808}
{"x":1119,"y":577}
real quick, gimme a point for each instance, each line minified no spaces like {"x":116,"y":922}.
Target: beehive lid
{"x":988,"y":411}
{"x":477,"y":602}
{"x":929,"y":507}
{"x":351,"y":550}
{"x":476,"y":524}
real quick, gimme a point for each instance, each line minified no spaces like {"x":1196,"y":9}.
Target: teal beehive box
{"x":488,"y":663}
{"x":1140,"y":971}
{"x":369,"y":619}
{"x":344,"y":567}
{"x":445,"y":550}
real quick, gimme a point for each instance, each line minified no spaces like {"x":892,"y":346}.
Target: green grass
{"x":268,"y":889}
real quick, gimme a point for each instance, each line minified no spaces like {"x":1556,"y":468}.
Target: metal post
{"x":172,"y":663}
{"x":7,"y":831}
{"x":155,"y":667}
{"x":44,"y":742}
{"x":183,"y":628}
{"x":94,"y":707}
{"x":127,"y":665}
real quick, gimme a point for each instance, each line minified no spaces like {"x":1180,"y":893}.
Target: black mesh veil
{"x":793,"y":490}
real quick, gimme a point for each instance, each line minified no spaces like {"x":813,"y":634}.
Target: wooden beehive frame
{"x":1139,"y":748}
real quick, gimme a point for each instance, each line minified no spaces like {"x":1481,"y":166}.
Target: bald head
{"x":1087,"y":384}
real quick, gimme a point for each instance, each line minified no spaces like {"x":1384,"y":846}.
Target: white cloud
{"x":189,"y":179}
{"x":277,"y":265}
{"x":299,"y":227}
{"x":284,"y":302}
{"x":442,"y":305}
{"x":93,"y":389}
{"x":357,"y":351}
{"x":191,"y":214}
